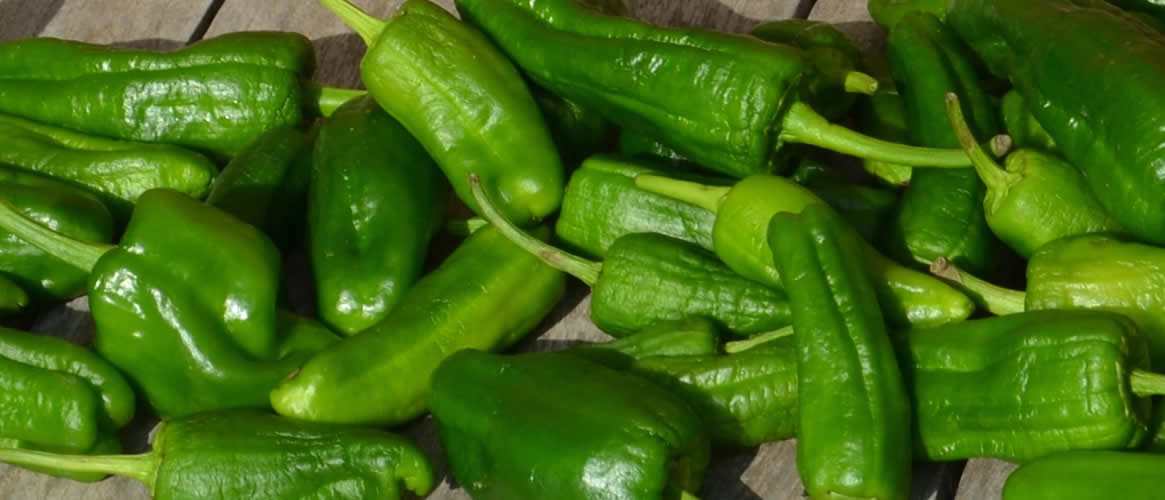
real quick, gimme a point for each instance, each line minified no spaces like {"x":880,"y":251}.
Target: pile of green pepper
{"x":755,"y":286}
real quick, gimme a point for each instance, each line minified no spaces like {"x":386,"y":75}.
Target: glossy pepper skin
{"x":62,"y":207}
{"x":887,"y":13}
{"x":218,"y":94}
{"x":118,"y":171}
{"x":757,"y":97}
{"x":1107,"y":126}
{"x":1023,"y":128}
{"x":941,"y":212}
{"x":265,"y":185}
{"x":1087,"y":475}
{"x":502,"y":421}
{"x":247,"y":454}
{"x":464,"y":102}
{"x":375,"y":202}
{"x":691,"y":336}
{"x":907,"y":297}
{"x":854,"y":420}
{"x":487,"y":295}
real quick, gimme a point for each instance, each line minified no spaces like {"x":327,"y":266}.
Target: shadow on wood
{"x":33,"y":16}
{"x":150,"y":44}
{"x":338,"y":60}
{"x":724,"y":477}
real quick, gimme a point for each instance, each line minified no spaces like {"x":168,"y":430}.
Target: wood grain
{"x":983,"y":479}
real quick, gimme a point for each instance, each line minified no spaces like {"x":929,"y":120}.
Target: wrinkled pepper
{"x":510,"y":431}
{"x":189,"y":346}
{"x":907,"y":297}
{"x":218,"y":94}
{"x":639,"y":76}
{"x":1108,"y":122}
{"x":375,"y":202}
{"x":941,"y":212}
{"x":1023,"y":128}
{"x":1036,"y":199}
{"x":854,"y":423}
{"x":245,"y":454}
{"x":487,"y":295}
{"x":691,"y":336}
{"x":646,"y":278}
{"x":463,"y":101}
{"x":116,"y":170}
{"x":1087,"y":475}
{"x":265,"y":185}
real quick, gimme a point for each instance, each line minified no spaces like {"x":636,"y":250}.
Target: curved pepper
{"x":1023,"y":128}
{"x":941,"y":212}
{"x":118,"y":171}
{"x":647,"y":278}
{"x":854,"y":418}
{"x":1087,"y":475}
{"x":259,"y":456}
{"x":68,"y":210}
{"x":13,"y":298}
{"x":48,"y":408}
{"x":510,"y":431}
{"x":1108,"y":122}
{"x":463,"y":101}
{"x":640,"y":77}
{"x":1037,"y":199}
{"x":375,"y":202}
{"x":742,"y":213}
{"x":887,"y":13}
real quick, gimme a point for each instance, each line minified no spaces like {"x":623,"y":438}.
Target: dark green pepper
{"x":883,"y":115}
{"x":118,"y":171}
{"x":259,"y":456}
{"x":579,"y":132}
{"x":758,"y":98}
{"x":742,"y":211}
{"x":1152,"y":9}
{"x":510,"y":431}
{"x":1087,"y":475}
{"x":13,"y":298}
{"x":941,"y":212}
{"x":1037,"y":199}
{"x":853,"y":435}
{"x":887,"y":13}
{"x":1023,"y":128}
{"x":632,"y":143}
{"x":1103,"y":107}
{"x":265,"y":185}
{"x":464,"y":101}
{"x":375,"y":202}
{"x":487,"y":295}
{"x":692,"y":336}
{"x":647,"y":278}
{"x":868,"y":209}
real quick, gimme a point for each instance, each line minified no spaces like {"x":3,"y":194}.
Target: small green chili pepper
{"x":1087,"y":475}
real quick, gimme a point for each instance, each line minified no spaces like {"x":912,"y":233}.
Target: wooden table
{"x":767,"y":472}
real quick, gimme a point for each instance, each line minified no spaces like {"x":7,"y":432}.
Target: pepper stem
{"x":756,"y":340}
{"x":328,"y":99}
{"x":857,"y":82}
{"x":366,"y":26}
{"x":803,"y":125}
{"x":700,"y":195}
{"x":995,"y":177}
{"x":140,"y":467}
{"x":1145,"y":384}
{"x":989,"y":297}
{"x":583,"y":269}
{"x":80,"y":254}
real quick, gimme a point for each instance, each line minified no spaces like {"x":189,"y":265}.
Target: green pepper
{"x":690,"y":336}
{"x":887,"y":13}
{"x":868,"y":209}
{"x":487,"y":295}
{"x":834,"y":55}
{"x":218,"y":94}
{"x":66,"y":209}
{"x":13,"y":298}
{"x":1037,"y":199}
{"x":265,"y":185}
{"x":760,"y":99}
{"x":189,"y":344}
{"x":883,"y":115}
{"x":510,"y":431}
{"x":578,"y":131}
{"x":1151,"y":9}
{"x":252,"y":455}
{"x":376,"y":200}
{"x":1101,"y":106}
{"x":118,"y":171}
{"x":941,"y":212}
{"x":647,"y":278}
{"x":742,"y":213}
{"x":1087,"y":475}
{"x":1023,"y":128}
{"x":465,"y":103}
{"x":853,"y":435}
{"x":632,"y":143}
{"x":105,"y":445}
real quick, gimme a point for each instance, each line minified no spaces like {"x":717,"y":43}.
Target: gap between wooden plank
{"x":207,"y":18}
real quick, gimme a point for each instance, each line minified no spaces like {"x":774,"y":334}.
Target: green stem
{"x":1146,"y":384}
{"x":764,"y":338}
{"x":139,"y":467}
{"x":857,"y":82}
{"x":700,"y":195}
{"x":366,"y":26}
{"x":990,"y":172}
{"x":688,"y":496}
{"x":583,"y":269}
{"x":80,"y":254}
{"x":462,"y":228}
{"x":987,"y":296}
{"x":327,"y":99}
{"x":803,"y":125}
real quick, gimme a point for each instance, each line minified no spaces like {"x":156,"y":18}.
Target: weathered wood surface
{"x":983,"y":479}
{"x":767,"y":472}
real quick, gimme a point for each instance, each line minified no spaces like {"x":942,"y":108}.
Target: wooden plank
{"x":983,"y":479}
{"x":852,"y":18}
